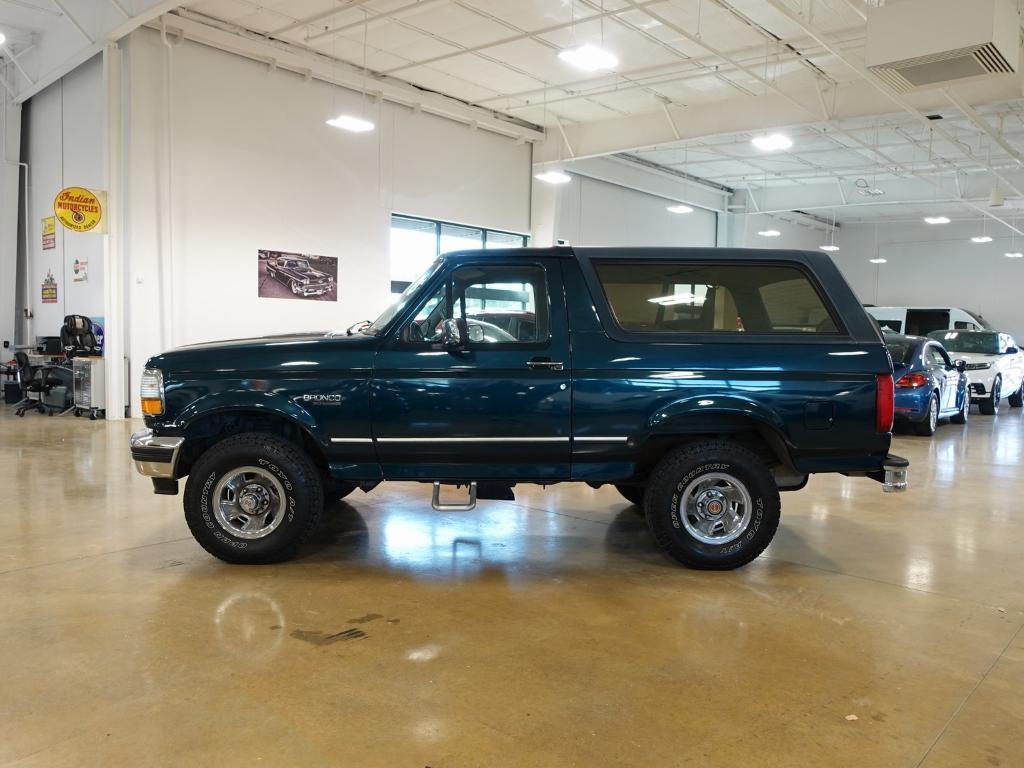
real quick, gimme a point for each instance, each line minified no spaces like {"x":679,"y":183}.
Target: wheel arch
{"x":209,"y":426}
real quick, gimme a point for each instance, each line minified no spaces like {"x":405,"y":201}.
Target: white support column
{"x":114,"y":288}
{"x":11,"y":211}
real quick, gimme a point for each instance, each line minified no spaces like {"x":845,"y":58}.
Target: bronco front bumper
{"x":154,"y":455}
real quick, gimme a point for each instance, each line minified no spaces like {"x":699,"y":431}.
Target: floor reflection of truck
{"x":300,"y":278}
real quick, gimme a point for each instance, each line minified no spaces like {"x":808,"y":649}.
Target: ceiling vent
{"x":930,"y":43}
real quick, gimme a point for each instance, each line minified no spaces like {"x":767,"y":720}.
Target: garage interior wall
{"x":794,"y":233}
{"x":236,"y":157}
{"x":594,"y":212}
{"x":936,"y":266}
{"x":64,"y":142}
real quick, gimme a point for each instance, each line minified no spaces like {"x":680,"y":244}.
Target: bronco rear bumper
{"x":892,"y":475}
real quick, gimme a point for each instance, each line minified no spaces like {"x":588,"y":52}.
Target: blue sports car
{"x":929,"y":385}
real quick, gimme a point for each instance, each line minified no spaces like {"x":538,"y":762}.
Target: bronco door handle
{"x":545,"y":363}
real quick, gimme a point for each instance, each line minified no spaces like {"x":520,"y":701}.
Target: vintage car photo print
{"x":283,"y":275}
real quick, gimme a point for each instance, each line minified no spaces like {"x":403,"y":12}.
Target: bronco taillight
{"x":884,"y":402}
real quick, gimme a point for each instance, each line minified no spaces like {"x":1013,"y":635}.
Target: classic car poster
{"x":285,"y":275}
{"x":49,"y":288}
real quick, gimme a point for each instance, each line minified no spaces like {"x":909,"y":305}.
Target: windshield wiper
{"x":359,"y":327}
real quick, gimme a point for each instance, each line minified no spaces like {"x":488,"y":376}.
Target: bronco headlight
{"x":152,"y":392}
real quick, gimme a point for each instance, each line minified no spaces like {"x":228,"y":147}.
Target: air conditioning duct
{"x":915,"y":44}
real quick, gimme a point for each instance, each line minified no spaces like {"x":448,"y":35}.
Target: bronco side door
{"x":496,"y":407}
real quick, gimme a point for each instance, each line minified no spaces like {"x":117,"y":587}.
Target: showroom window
{"x":416,"y":242}
{"x":700,"y":298}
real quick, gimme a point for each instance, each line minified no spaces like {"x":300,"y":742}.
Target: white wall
{"x":254,"y":166}
{"x":65,"y":131}
{"x":936,"y":266}
{"x":593,"y":212}
{"x":797,"y":233}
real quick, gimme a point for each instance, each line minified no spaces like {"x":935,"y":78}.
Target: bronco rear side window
{"x":680,"y":297}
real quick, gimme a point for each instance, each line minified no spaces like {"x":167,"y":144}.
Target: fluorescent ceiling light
{"x":589,"y":58}
{"x":936,"y":219}
{"x":769,"y":233}
{"x":1015,"y":255}
{"x":877,"y":261}
{"x":829,"y":248}
{"x":350,"y":123}
{"x":554,"y":177}
{"x":679,"y":298}
{"x":772,"y":142}
{"x":679,"y":209}
{"x":981,"y":239}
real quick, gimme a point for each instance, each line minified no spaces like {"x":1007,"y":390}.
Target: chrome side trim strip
{"x":601,"y":439}
{"x":351,"y":439}
{"x":472,"y":439}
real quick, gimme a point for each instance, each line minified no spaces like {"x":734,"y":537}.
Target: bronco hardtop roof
{"x":647,"y":253}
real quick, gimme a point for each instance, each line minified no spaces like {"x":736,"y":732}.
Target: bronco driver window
{"x":501,"y":304}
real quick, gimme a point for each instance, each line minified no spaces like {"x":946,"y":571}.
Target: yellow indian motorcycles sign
{"x":78,"y":209}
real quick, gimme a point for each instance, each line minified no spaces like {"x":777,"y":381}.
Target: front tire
{"x":990,"y":406}
{"x":961,"y":416}
{"x":1016,"y":400}
{"x":712,"y":505}
{"x":930,"y":423}
{"x":253,"y":498}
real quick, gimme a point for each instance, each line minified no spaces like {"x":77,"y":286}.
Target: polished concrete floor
{"x":876,"y":631}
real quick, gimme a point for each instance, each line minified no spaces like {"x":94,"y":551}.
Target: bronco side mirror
{"x":960,"y":365}
{"x":452,"y":335}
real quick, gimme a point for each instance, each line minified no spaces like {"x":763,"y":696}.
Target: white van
{"x":920,"y":321}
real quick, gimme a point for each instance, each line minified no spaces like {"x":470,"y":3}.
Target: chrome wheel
{"x":933,"y":413}
{"x":715,"y":508}
{"x":249,"y":503}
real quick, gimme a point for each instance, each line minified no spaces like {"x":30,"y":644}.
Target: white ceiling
{"x":700,"y":62}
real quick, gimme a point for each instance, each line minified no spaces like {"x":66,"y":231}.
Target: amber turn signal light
{"x":152,"y":406}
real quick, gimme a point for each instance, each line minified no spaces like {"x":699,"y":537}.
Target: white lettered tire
{"x":253,"y":498}
{"x":712,"y":505}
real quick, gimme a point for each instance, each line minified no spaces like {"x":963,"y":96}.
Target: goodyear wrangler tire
{"x":253,"y":498}
{"x":712,"y":505}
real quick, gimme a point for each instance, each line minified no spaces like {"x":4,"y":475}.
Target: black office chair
{"x":77,"y":338}
{"x":40,"y":381}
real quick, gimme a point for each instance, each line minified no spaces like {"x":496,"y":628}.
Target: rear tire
{"x":990,"y":405}
{"x":253,"y":477}
{"x":930,"y":423}
{"x":712,"y":505}
{"x":634,"y":494}
{"x":1016,"y":400}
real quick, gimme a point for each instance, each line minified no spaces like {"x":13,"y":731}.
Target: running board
{"x":435,"y":502}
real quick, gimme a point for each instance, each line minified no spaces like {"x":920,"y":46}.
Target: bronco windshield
{"x":377,"y":326}
{"x":979,"y":342}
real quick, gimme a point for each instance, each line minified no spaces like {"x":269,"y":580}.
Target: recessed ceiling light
{"x":350,"y":123}
{"x":829,"y":248}
{"x":877,"y":261}
{"x":1015,"y":255}
{"x":936,"y":219}
{"x":554,"y":177}
{"x":679,"y":209}
{"x":772,"y":142}
{"x":769,"y":233}
{"x":3,"y":38}
{"x":589,"y":58}
{"x":981,"y":239}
